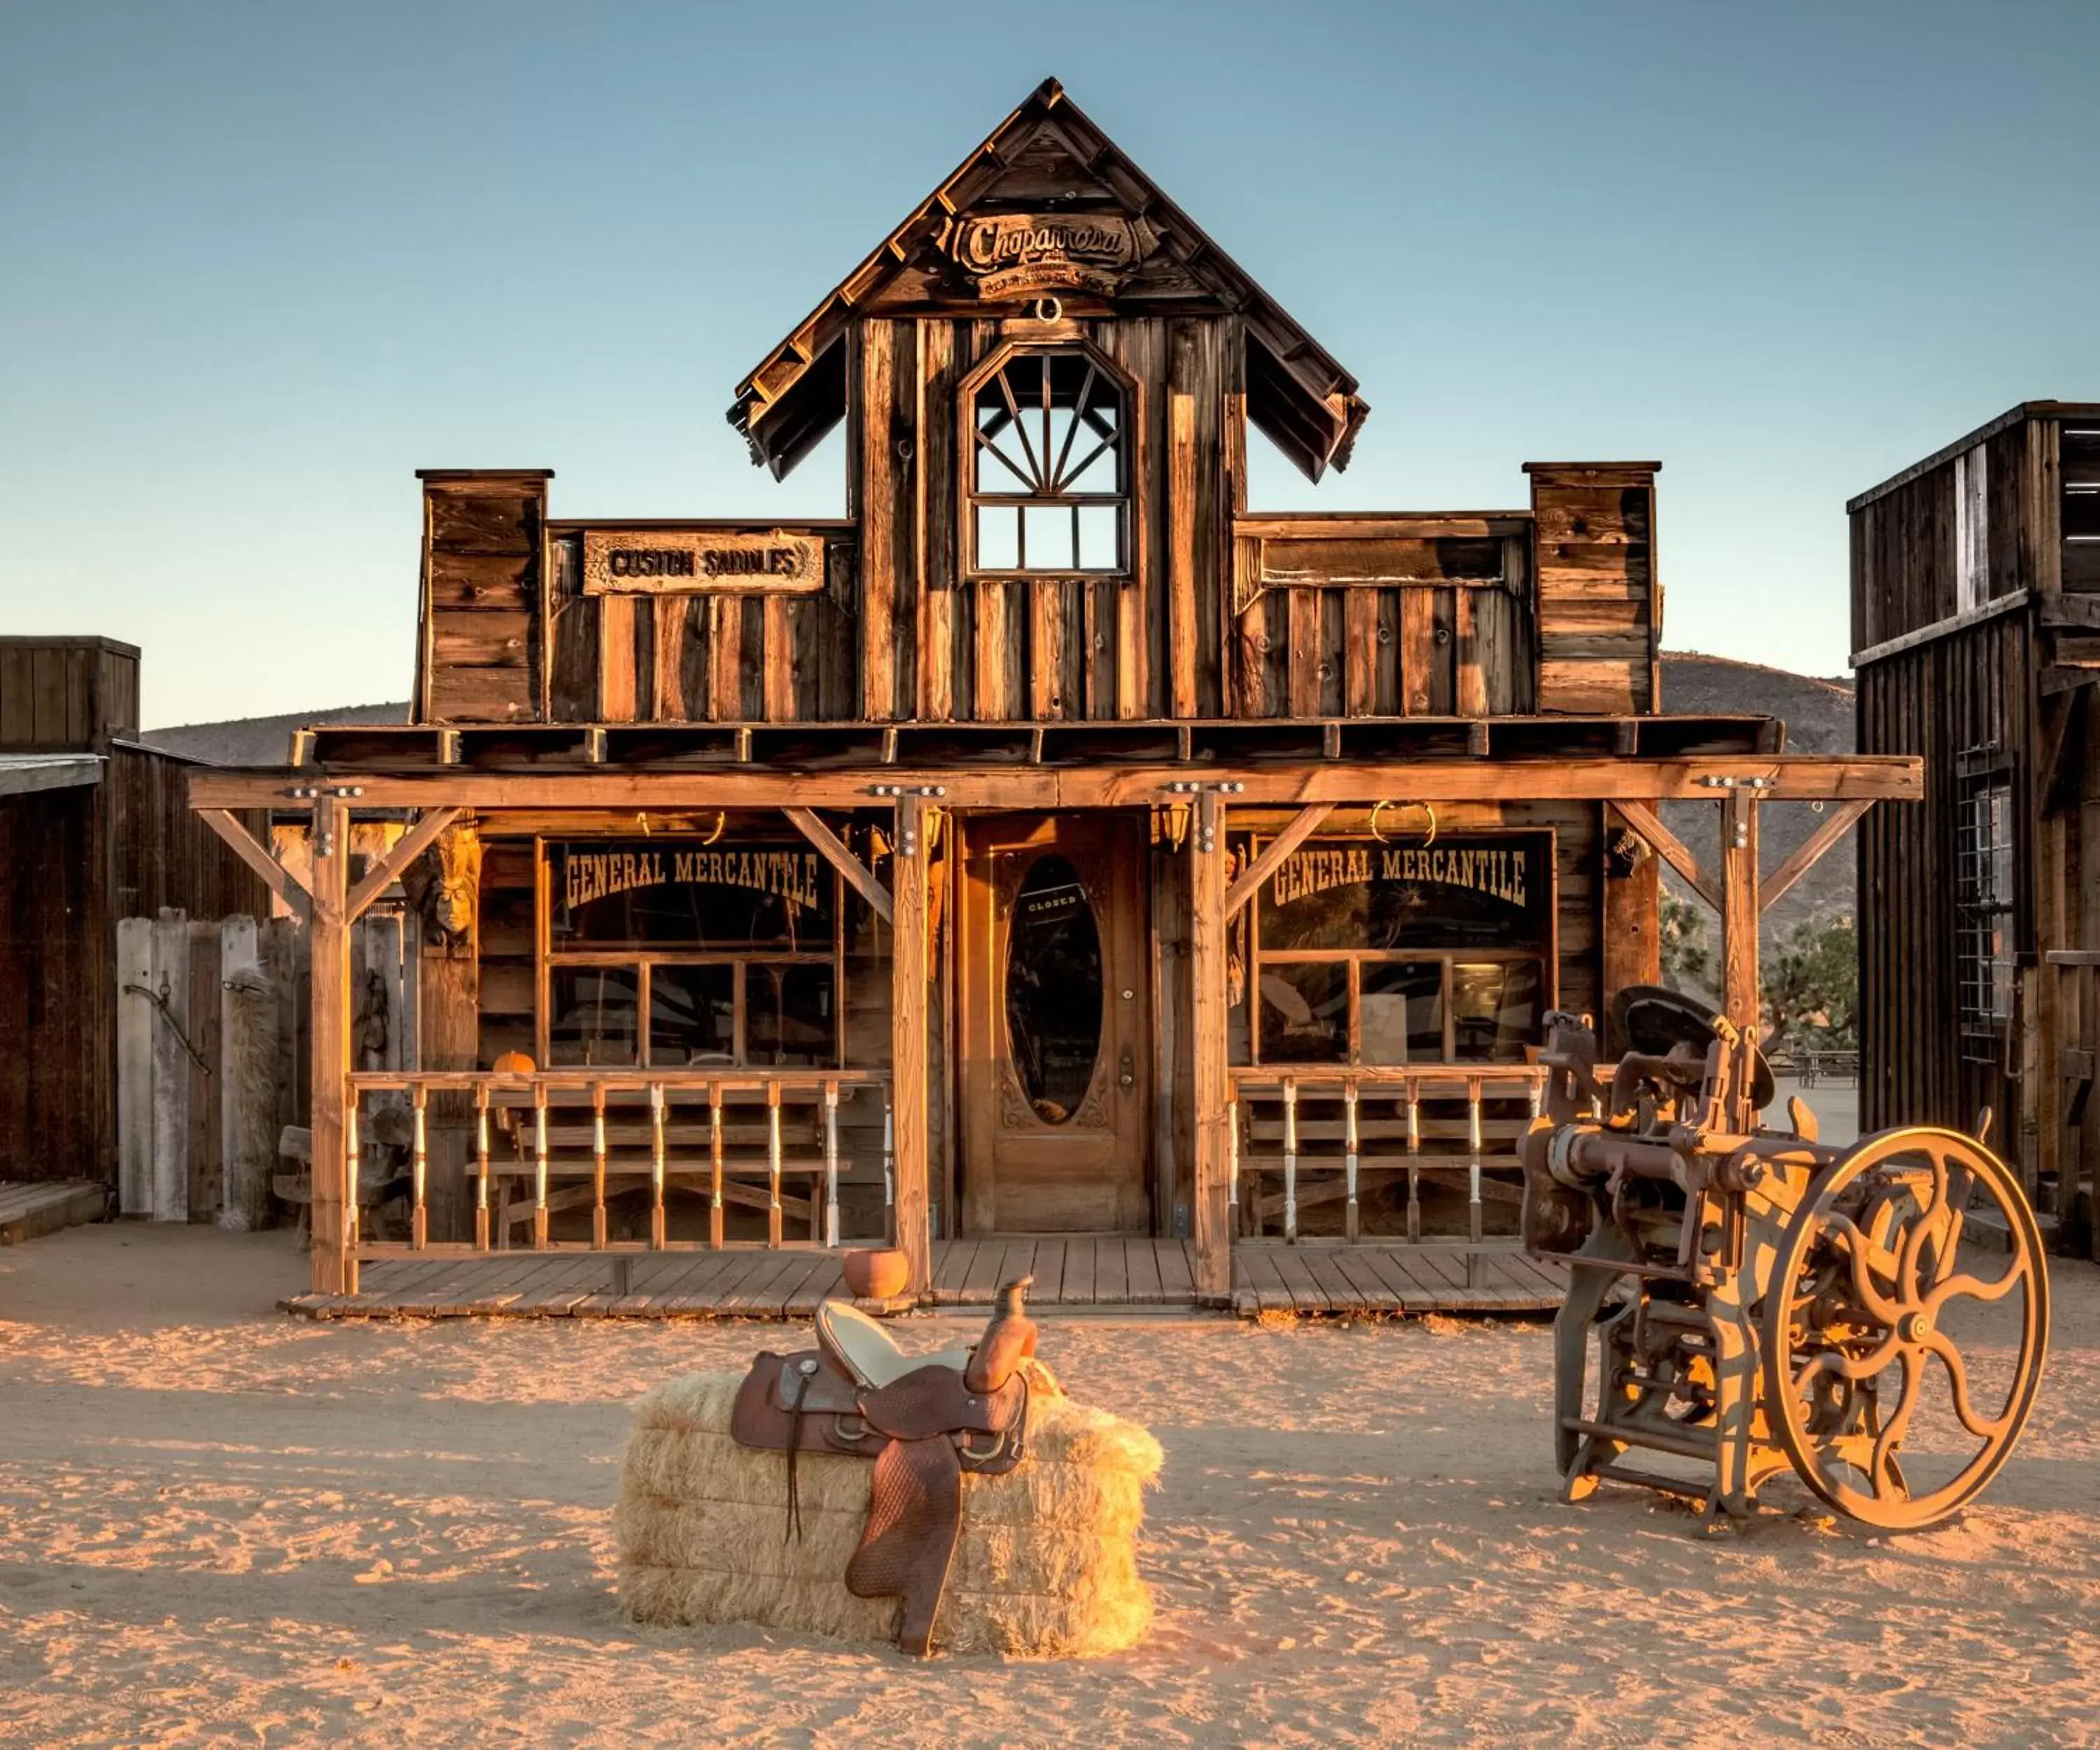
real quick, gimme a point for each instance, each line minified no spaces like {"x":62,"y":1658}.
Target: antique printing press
{"x":1758,"y":1301}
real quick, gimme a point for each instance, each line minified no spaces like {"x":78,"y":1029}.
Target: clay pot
{"x":876,"y":1275}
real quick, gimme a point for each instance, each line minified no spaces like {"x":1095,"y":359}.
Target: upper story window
{"x":1049,"y":472}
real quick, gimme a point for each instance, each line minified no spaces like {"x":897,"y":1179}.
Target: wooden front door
{"x":1057,"y":1035}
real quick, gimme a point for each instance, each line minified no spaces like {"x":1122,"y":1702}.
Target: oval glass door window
{"x":1053,"y":989}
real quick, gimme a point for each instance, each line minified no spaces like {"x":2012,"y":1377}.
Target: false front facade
{"x":1052,"y":844}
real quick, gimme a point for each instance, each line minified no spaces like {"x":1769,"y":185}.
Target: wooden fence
{"x":212,"y":1058}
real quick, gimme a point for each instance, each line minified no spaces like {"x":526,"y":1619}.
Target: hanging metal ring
{"x":1048,"y":309}
{"x":1425,"y":808}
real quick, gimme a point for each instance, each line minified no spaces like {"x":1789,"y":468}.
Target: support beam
{"x":334,"y":1206}
{"x":281,"y":881}
{"x":1804,"y":778}
{"x":1307,"y":823}
{"x":407,"y":848}
{"x":1810,"y":852}
{"x":857,"y":872}
{"x":1643,"y":819}
{"x":1739,"y":918}
{"x":910,"y":971}
{"x":1211,"y":1228}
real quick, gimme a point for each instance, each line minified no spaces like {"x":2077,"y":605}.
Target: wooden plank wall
{"x":62,"y":695}
{"x":73,"y":862}
{"x":1599,"y":604}
{"x":1382,"y":616}
{"x":478,"y":659}
{"x":744,"y":658}
{"x":1905,"y":544}
{"x":1968,"y":689}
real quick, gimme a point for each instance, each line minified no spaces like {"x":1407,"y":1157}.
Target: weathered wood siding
{"x":1387,"y":616}
{"x":483,"y":612}
{"x":1969,"y":690}
{"x":1599,"y":601}
{"x":63,"y":694}
{"x":73,"y":862}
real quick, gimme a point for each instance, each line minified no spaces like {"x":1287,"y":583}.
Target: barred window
{"x":1984,"y":899}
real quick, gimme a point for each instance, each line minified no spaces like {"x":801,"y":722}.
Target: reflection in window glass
{"x":1403,"y":1012}
{"x":788,"y":1018}
{"x":1304,"y":1014}
{"x":595,"y":1011}
{"x":1053,"y":989}
{"x":1494,"y":1010}
{"x":692,"y":1015}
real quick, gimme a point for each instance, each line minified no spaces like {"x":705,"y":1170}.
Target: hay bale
{"x":1046,"y":1565}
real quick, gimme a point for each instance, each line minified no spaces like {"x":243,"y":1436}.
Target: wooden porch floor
{"x":754,"y":1283}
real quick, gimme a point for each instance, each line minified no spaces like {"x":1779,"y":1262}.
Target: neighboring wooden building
{"x":1976,"y":629}
{"x":1050,"y":844}
{"x":94,"y":828}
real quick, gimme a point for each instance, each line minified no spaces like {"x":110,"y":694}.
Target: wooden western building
{"x":94,"y":828}
{"x":1054,"y":844}
{"x":1976,"y":635}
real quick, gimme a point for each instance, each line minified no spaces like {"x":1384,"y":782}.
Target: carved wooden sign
{"x":701,"y":561}
{"x":1018,"y":254}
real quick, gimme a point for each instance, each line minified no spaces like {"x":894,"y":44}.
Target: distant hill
{"x":1818,"y":714}
{"x":260,"y":741}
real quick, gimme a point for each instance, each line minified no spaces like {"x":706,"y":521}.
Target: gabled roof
{"x":1046,"y":155}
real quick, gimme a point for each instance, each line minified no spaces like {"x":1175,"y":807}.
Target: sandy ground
{"x":221,"y":1525}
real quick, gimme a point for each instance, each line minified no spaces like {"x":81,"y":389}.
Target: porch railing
{"x":610,"y":1132}
{"x":1327,"y":1131}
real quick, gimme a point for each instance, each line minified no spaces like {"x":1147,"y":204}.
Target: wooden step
{"x":30,"y":1210}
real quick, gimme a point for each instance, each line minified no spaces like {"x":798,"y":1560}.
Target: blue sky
{"x":259,"y":263}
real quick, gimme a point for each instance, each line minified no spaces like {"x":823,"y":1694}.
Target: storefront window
{"x":1375,"y":953}
{"x":731,"y":949}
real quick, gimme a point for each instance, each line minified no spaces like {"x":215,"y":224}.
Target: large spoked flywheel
{"x":1901,"y":1356}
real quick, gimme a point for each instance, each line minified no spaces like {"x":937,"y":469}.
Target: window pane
{"x":1403,"y":1012}
{"x":692,"y":1015}
{"x":1304,"y":1014}
{"x":1047,"y":545}
{"x":787,"y":1016}
{"x":594,"y":1014}
{"x":1054,"y":991}
{"x":1496,"y":1010}
{"x":672,"y":893}
{"x":1091,"y":467}
{"x":1458,"y":893}
{"x":998,"y":537}
{"x":1101,"y":537}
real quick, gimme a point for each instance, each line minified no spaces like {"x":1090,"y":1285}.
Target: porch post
{"x":1211,"y":1226}
{"x":1738,"y":911}
{"x":334,"y":1198}
{"x":909,"y":972}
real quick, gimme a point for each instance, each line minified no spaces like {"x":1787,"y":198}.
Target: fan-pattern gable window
{"x":1049,"y":483}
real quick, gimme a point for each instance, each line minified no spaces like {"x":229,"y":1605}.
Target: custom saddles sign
{"x":670,"y":562}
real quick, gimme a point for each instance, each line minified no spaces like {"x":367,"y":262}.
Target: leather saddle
{"x":923,"y":1421}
